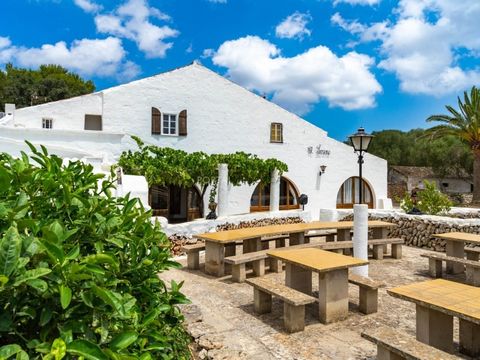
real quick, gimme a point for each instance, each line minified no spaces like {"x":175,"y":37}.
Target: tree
{"x":463,"y":123}
{"x":25,"y":87}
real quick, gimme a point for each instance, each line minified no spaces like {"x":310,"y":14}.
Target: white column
{"x":119,"y":185}
{"x":360,"y":237}
{"x":222,"y":189}
{"x":275,"y":191}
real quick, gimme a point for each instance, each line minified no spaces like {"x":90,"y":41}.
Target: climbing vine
{"x":167,"y":166}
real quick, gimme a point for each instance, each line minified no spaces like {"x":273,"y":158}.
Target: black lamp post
{"x":360,"y":141}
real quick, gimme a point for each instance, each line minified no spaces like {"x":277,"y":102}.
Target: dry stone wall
{"x":417,"y":230}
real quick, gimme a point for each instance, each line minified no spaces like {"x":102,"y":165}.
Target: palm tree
{"x":464,"y":123}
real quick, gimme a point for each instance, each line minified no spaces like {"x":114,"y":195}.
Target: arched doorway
{"x":260,"y":200}
{"x":349,"y":193}
{"x":177,"y":204}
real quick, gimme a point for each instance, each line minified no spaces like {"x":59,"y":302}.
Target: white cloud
{"x":132,"y":21}
{"x":4,"y":42}
{"x":299,"y":82}
{"x":218,"y":1}
{"x":424,"y":43}
{"x":100,"y":57}
{"x":357,"y":2}
{"x":294,"y":26}
{"x":88,"y":5}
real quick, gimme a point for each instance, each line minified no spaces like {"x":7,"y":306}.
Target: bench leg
{"x":298,"y":278}
{"x":378,"y":252}
{"x":397,"y":251}
{"x":259,"y":267}
{"x":297,"y":239}
{"x":239,"y":273}
{"x":262,"y":301}
{"x":469,"y":338}
{"x":473,"y":256}
{"x":193,"y":260}
{"x":293,"y":317}
{"x":384,"y":354}
{"x":214,"y":255}
{"x":473,"y":276}
{"x":435,"y":328}
{"x":276,"y":265}
{"x":456,"y":249}
{"x":279,"y":243}
{"x":435,"y":268}
{"x":230,"y":250}
{"x":330,"y":237}
{"x":344,"y":235}
{"x":368,"y":300}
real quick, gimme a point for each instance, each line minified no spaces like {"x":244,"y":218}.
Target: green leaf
{"x":86,"y":349}
{"x":5,"y":179}
{"x":102,"y":259}
{"x":65,"y":296}
{"x":38,"y":284}
{"x":59,"y":349}
{"x":30,"y":275}
{"x":54,"y":251}
{"x":123,"y":340}
{"x":74,"y":253}
{"x":45,"y":316}
{"x":10,"y":248}
{"x":9,"y":350}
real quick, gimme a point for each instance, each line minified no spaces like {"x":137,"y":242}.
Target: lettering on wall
{"x":318,"y":151}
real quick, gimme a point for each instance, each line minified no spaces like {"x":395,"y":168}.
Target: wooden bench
{"x":394,"y":344}
{"x":473,"y":253}
{"x":368,"y":303}
{"x":379,"y":247}
{"x":293,"y":302}
{"x":472,"y":267}
{"x":193,"y":254}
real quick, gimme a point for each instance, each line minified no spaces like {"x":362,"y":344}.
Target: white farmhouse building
{"x":194,"y":109}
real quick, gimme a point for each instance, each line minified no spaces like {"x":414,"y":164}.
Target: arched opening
{"x":349,"y":193}
{"x":177,"y":204}
{"x":260,"y":200}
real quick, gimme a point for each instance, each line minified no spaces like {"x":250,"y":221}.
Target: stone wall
{"x":417,"y":230}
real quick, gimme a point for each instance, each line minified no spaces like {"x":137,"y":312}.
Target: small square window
{"x":47,"y":123}
{"x":276,"y":133}
{"x":169,"y":124}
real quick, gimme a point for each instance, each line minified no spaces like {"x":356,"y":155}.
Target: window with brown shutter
{"x":276,"y":133}
{"x":156,"y":121}
{"x":93,"y":122}
{"x":182,"y":123}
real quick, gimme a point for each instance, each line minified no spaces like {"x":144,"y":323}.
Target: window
{"x":93,"y":122}
{"x":47,"y":123}
{"x":349,"y":193}
{"x":276,"y":133}
{"x":169,"y":124}
{"x":260,"y":200}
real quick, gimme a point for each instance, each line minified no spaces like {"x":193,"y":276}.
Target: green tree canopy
{"x":26,"y":87}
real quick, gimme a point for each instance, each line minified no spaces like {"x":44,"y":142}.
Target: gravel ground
{"x":227,"y":310}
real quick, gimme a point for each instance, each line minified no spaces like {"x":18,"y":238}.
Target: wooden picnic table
{"x":332,"y":272}
{"x":455,"y":246}
{"x":220,"y":244}
{"x":437,"y":302}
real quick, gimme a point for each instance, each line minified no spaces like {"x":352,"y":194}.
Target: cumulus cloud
{"x":132,"y":21}
{"x":294,"y":26}
{"x":88,"y":5}
{"x":299,"y":82}
{"x":424,"y":43}
{"x":218,"y":1}
{"x":101,"y":57}
{"x":357,"y":2}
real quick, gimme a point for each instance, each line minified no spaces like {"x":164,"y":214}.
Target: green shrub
{"x":78,"y":268}
{"x":429,"y":200}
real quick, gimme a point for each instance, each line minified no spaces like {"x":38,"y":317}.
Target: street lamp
{"x":360,"y":141}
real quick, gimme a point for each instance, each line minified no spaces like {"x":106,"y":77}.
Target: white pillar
{"x":360,"y":237}
{"x":275,"y":191}
{"x":222,"y":189}
{"x":119,"y":189}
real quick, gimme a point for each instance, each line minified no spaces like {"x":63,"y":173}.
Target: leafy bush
{"x":78,"y":268}
{"x":430,"y":200}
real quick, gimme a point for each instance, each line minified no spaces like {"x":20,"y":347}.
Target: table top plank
{"x":449,"y":297}
{"x":459,"y":236}
{"x":229,"y":236}
{"x":316,"y":259}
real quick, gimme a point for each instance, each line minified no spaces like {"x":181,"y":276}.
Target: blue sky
{"x":340,"y":64}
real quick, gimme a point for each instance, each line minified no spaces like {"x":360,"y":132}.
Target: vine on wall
{"x":167,"y":166}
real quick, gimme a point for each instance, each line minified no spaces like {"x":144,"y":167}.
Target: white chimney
{"x":10,"y":110}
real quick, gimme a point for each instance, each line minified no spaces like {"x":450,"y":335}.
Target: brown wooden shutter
{"x":156,"y":121}
{"x":182,"y":123}
{"x":280,"y":129}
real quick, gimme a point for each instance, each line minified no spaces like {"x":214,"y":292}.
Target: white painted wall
{"x":222,"y":118}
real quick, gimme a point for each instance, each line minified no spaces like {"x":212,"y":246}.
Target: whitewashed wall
{"x":222,"y":118}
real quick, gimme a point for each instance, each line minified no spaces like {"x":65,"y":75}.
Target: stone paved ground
{"x":228,"y":316}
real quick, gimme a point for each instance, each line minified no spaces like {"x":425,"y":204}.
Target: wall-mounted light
{"x":310,"y":149}
{"x":322,"y":169}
